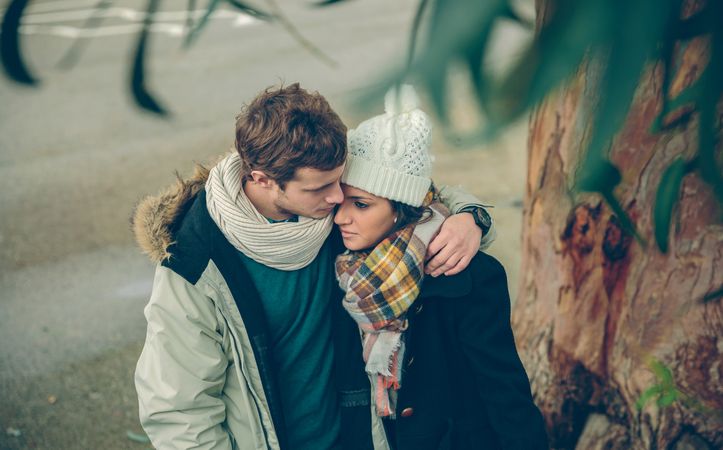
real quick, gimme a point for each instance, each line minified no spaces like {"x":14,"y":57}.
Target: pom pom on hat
{"x":389,"y":153}
{"x":401,"y":99}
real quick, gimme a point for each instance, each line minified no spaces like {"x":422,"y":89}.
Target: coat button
{"x":419,"y":309}
{"x":411,"y":360}
{"x":407,"y":412}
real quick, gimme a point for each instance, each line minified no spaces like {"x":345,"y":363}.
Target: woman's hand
{"x":455,"y":245}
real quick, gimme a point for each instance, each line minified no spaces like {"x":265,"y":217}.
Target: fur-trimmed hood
{"x":156,"y":218}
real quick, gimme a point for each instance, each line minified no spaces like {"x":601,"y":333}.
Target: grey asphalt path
{"x":69,"y":309}
{"x":76,"y":155}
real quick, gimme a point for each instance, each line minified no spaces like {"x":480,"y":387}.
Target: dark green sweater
{"x":296,"y":304}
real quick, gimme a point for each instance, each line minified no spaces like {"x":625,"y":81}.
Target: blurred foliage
{"x":715,"y":295}
{"x":664,"y":391}
{"x":619,"y":36}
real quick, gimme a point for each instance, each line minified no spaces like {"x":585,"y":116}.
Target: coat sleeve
{"x":488,"y":344}
{"x":455,"y":198}
{"x":181,"y":371}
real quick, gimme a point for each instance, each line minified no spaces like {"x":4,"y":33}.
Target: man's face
{"x":311,"y":193}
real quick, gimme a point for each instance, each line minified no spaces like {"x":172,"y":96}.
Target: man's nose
{"x":336,"y":196}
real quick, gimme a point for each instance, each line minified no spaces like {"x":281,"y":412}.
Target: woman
{"x":438,"y":353}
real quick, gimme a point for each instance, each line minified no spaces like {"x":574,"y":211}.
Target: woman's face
{"x":363,"y":218}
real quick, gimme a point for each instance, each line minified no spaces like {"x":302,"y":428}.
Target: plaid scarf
{"x":381,"y":285}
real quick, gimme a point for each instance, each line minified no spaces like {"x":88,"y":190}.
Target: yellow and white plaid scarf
{"x":381,"y":285}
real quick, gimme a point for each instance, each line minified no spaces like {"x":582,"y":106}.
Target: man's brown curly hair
{"x":287,"y":128}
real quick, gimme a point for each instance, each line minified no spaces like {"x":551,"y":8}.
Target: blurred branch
{"x":294,"y":32}
{"x":198,"y":26}
{"x":251,"y":11}
{"x":328,"y":2}
{"x":72,"y":55}
{"x":195,"y":28}
{"x":10,"y":53}
{"x":415,"y":31}
{"x":142,"y":96}
{"x":190,"y":9}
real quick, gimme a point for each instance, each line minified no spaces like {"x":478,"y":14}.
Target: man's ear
{"x":262,"y":179}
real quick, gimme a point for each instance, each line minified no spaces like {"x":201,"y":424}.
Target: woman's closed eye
{"x":360,"y":205}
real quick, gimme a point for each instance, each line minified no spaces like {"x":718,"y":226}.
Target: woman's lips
{"x":346,"y":234}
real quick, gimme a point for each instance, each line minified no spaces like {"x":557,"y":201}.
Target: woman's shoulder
{"x":483,"y":269}
{"x":488,"y":291}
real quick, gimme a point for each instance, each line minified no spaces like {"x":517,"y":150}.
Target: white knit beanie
{"x":389,"y":153}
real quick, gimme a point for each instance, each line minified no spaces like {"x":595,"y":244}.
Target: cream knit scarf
{"x":283,"y":245}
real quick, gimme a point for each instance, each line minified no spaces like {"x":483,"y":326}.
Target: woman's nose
{"x":341,"y":217}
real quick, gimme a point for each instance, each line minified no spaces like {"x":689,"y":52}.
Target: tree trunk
{"x":594,"y":306}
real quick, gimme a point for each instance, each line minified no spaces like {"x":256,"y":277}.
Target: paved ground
{"x":75,"y":155}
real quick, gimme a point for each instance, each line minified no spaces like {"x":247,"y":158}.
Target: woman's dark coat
{"x":463,"y":384}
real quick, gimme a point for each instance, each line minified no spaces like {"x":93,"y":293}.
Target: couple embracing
{"x":314,"y":290}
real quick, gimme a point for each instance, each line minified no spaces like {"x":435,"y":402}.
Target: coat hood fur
{"x":156,"y":218}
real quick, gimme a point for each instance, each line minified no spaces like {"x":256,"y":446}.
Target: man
{"x":238,"y":351}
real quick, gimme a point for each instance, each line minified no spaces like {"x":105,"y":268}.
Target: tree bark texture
{"x":594,"y":305}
